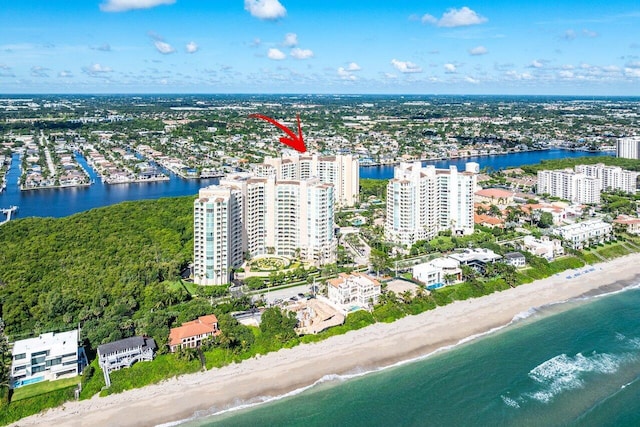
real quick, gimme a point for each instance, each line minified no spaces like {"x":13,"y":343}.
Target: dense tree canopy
{"x":102,"y":268}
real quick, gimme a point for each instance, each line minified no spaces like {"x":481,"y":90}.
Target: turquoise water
{"x":576,"y":363}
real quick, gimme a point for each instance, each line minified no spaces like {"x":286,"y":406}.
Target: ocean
{"x":576,"y":363}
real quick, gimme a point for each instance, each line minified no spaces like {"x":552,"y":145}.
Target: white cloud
{"x":290,"y":39}
{"x":566,"y":74}
{"x":632,"y":72}
{"x":125,"y":5}
{"x":455,"y":18}
{"x":406,"y":66}
{"x":518,"y":76}
{"x":276,"y":54}
{"x":191,"y":47}
{"x":536,"y":64}
{"x":96,"y":69}
{"x":298,"y":53}
{"x":429,"y":19}
{"x":478,"y":50}
{"x":390,"y":76}
{"x":590,"y":33}
{"x":569,"y":35}
{"x":345,"y":75}
{"x":265,"y":9}
{"x":353,"y":67}
{"x":633,"y":64}
{"x":163,"y":47}
{"x":65,"y":74}
{"x":470,"y":79}
{"x":449,"y":68}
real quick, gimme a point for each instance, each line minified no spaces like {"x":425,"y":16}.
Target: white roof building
{"x":543,"y":247}
{"x":438,"y":272}
{"x":584,"y":234}
{"x":49,"y":356}
{"x":421,"y":201}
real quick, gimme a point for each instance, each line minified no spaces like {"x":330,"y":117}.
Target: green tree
{"x":5,"y":361}
{"x":278,"y":324}
{"x":379,"y":260}
{"x":545,"y":220}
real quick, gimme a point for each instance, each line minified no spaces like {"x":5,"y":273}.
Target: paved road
{"x":285,"y":294}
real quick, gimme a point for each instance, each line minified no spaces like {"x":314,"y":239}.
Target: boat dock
{"x":9,"y":213}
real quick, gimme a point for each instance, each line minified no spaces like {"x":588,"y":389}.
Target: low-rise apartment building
{"x":584,"y":234}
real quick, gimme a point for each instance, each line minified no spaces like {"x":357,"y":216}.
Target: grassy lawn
{"x":613,"y":250}
{"x":32,"y":390}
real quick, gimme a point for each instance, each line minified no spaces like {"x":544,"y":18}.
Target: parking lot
{"x":286,"y":294}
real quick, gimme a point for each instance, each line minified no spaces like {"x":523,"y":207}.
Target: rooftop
{"x":126,"y":344}
{"x":56,"y":342}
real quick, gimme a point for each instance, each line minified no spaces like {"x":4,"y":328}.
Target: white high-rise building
{"x":342,"y":171}
{"x":613,"y":177}
{"x":628,"y":148}
{"x":586,"y":182}
{"x":421,"y":201}
{"x":570,"y":185}
{"x":261,"y":215}
{"x":217,"y":234}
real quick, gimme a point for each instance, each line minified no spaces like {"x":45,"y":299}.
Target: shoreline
{"x":379,"y":346}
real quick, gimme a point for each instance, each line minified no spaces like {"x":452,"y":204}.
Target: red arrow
{"x":293,"y":140}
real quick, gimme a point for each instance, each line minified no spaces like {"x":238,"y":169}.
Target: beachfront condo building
{"x":247,"y":215}
{"x":628,"y":148}
{"x":584,"y":183}
{"x":422,"y":201}
{"x":570,"y":185}
{"x":584,"y":234}
{"x":47,"y":357}
{"x":217,"y":234}
{"x":342,"y":171}
{"x":612,"y":177}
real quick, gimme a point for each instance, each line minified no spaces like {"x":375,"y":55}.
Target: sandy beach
{"x":378,"y":345}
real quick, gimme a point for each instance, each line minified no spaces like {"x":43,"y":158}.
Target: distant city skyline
{"x":332,"y":46}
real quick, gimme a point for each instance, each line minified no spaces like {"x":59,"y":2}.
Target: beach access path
{"x":378,"y":345}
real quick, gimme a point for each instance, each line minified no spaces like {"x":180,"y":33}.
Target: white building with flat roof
{"x":587,"y":233}
{"x":421,"y":201}
{"x":476,"y":258}
{"x":543,"y":247}
{"x":612,"y":177}
{"x":628,"y":148}
{"x":440,"y":271}
{"x":570,"y":185}
{"x":48,"y":357}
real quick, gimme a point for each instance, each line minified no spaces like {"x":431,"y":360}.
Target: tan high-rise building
{"x":342,"y":171}
{"x":258,"y":216}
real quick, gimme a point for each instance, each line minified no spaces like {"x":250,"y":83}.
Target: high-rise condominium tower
{"x":421,"y":201}
{"x":342,"y":171}
{"x":261,"y":215}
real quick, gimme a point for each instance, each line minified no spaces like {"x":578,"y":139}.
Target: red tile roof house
{"x":191,"y":334}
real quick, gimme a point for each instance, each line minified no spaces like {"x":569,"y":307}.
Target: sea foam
{"x":562,"y":373}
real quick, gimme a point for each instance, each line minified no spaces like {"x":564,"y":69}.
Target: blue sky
{"x":332,"y":46}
